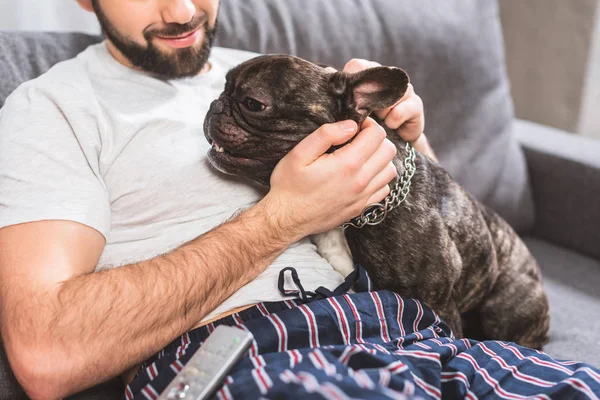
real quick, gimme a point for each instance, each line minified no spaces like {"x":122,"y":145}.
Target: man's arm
{"x":64,"y":335}
{"x":65,"y":328}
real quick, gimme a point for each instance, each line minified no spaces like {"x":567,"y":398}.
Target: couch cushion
{"x":571,"y":282}
{"x":453,"y":52}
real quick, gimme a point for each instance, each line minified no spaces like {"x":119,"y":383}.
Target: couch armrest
{"x":564,"y":172}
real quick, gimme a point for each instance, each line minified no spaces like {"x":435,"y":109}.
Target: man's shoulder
{"x":66,"y":79}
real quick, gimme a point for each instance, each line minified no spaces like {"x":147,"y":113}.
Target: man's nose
{"x":178,"y":11}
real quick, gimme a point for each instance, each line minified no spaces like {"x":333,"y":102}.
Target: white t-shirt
{"x":123,"y":152}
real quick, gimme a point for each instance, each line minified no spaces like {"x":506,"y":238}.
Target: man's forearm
{"x":105,"y":322}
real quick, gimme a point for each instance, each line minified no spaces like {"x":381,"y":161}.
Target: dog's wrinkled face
{"x":270,"y":103}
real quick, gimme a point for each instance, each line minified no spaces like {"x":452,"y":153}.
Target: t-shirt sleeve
{"x":49,"y":159}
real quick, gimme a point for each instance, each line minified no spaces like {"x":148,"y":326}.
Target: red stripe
{"x":419,"y":354}
{"x":396,"y":367}
{"x":316,"y":360}
{"x":262,"y":309}
{"x":356,"y":317}
{"x":260,"y":381}
{"x":536,"y":360}
{"x":224,"y":392}
{"x":422,"y":345}
{"x":595,"y":376}
{"x":449,"y":376}
{"x":418,"y":318}
{"x":333,"y":391}
{"x":382,"y":323}
{"x":311,"y":325}
{"x":489,"y":380}
{"x":426,"y":387}
{"x":263,"y":378}
{"x":290,"y":303}
{"x":400,"y":314}
{"x":341,"y":318}
{"x":281,"y":331}
{"x":515,"y":372}
{"x":294,"y":358}
{"x":128,"y":393}
{"x":582,"y":386}
{"x":149,"y":393}
{"x":178,"y":365}
{"x":237,"y":318}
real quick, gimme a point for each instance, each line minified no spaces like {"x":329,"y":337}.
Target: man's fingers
{"x":410,"y":91}
{"x":382,"y":178}
{"x":381,"y":161}
{"x":364,"y":144}
{"x":407,"y":118}
{"x":358,"y":64}
{"x":314,"y":145}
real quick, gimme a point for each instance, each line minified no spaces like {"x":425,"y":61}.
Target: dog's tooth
{"x":218,"y":148}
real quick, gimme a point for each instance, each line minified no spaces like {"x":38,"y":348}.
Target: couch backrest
{"x":453,"y":52}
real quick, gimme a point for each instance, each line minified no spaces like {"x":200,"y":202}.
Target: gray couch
{"x":546,"y":183}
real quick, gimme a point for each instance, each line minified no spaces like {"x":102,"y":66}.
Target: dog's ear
{"x":371,"y":89}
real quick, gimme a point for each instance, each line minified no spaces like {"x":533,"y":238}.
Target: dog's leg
{"x":517,"y":310}
{"x":333,"y":247}
{"x":516,"y":307}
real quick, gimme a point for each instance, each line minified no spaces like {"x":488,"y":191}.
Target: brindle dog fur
{"x":441,"y":245}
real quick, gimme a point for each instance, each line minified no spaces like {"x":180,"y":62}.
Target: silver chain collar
{"x":374,"y":214}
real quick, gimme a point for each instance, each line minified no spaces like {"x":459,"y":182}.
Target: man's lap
{"x":367,"y":345}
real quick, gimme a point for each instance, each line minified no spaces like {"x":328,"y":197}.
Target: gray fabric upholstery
{"x":571,"y":282}
{"x":453,"y":52}
{"x":24,"y":56}
{"x":564,"y":171}
{"x":9,"y":388}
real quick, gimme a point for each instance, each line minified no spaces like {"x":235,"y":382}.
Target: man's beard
{"x":180,"y":63}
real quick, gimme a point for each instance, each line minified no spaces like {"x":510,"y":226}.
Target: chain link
{"x":374,"y":214}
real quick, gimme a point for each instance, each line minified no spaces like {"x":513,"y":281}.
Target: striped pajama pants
{"x":368,"y":345}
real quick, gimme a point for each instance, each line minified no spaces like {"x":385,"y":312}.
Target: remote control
{"x":207,"y":368}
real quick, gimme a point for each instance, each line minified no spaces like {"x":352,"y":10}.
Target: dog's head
{"x":270,"y":103}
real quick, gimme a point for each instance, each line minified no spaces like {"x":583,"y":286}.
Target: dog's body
{"x":440,"y":246}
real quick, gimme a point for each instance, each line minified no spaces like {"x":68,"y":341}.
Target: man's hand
{"x":314,"y":192}
{"x":407,"y":116}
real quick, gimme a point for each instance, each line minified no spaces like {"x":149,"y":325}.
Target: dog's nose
{"x":220,"y":107}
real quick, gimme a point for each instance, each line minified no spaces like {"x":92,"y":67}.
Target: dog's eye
{"x":253,"y":105}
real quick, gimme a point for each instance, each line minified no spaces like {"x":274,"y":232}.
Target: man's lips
{"x":182,"y":41}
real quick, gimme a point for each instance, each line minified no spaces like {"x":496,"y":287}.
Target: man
{"x":116,"y":236}
{"x":120,"y":246}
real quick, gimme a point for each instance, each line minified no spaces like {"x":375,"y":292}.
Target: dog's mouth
{"x":217,"y":147}
{"x":221,"y":151}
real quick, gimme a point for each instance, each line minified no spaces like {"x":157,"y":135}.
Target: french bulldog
{"x":440,"y":245}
